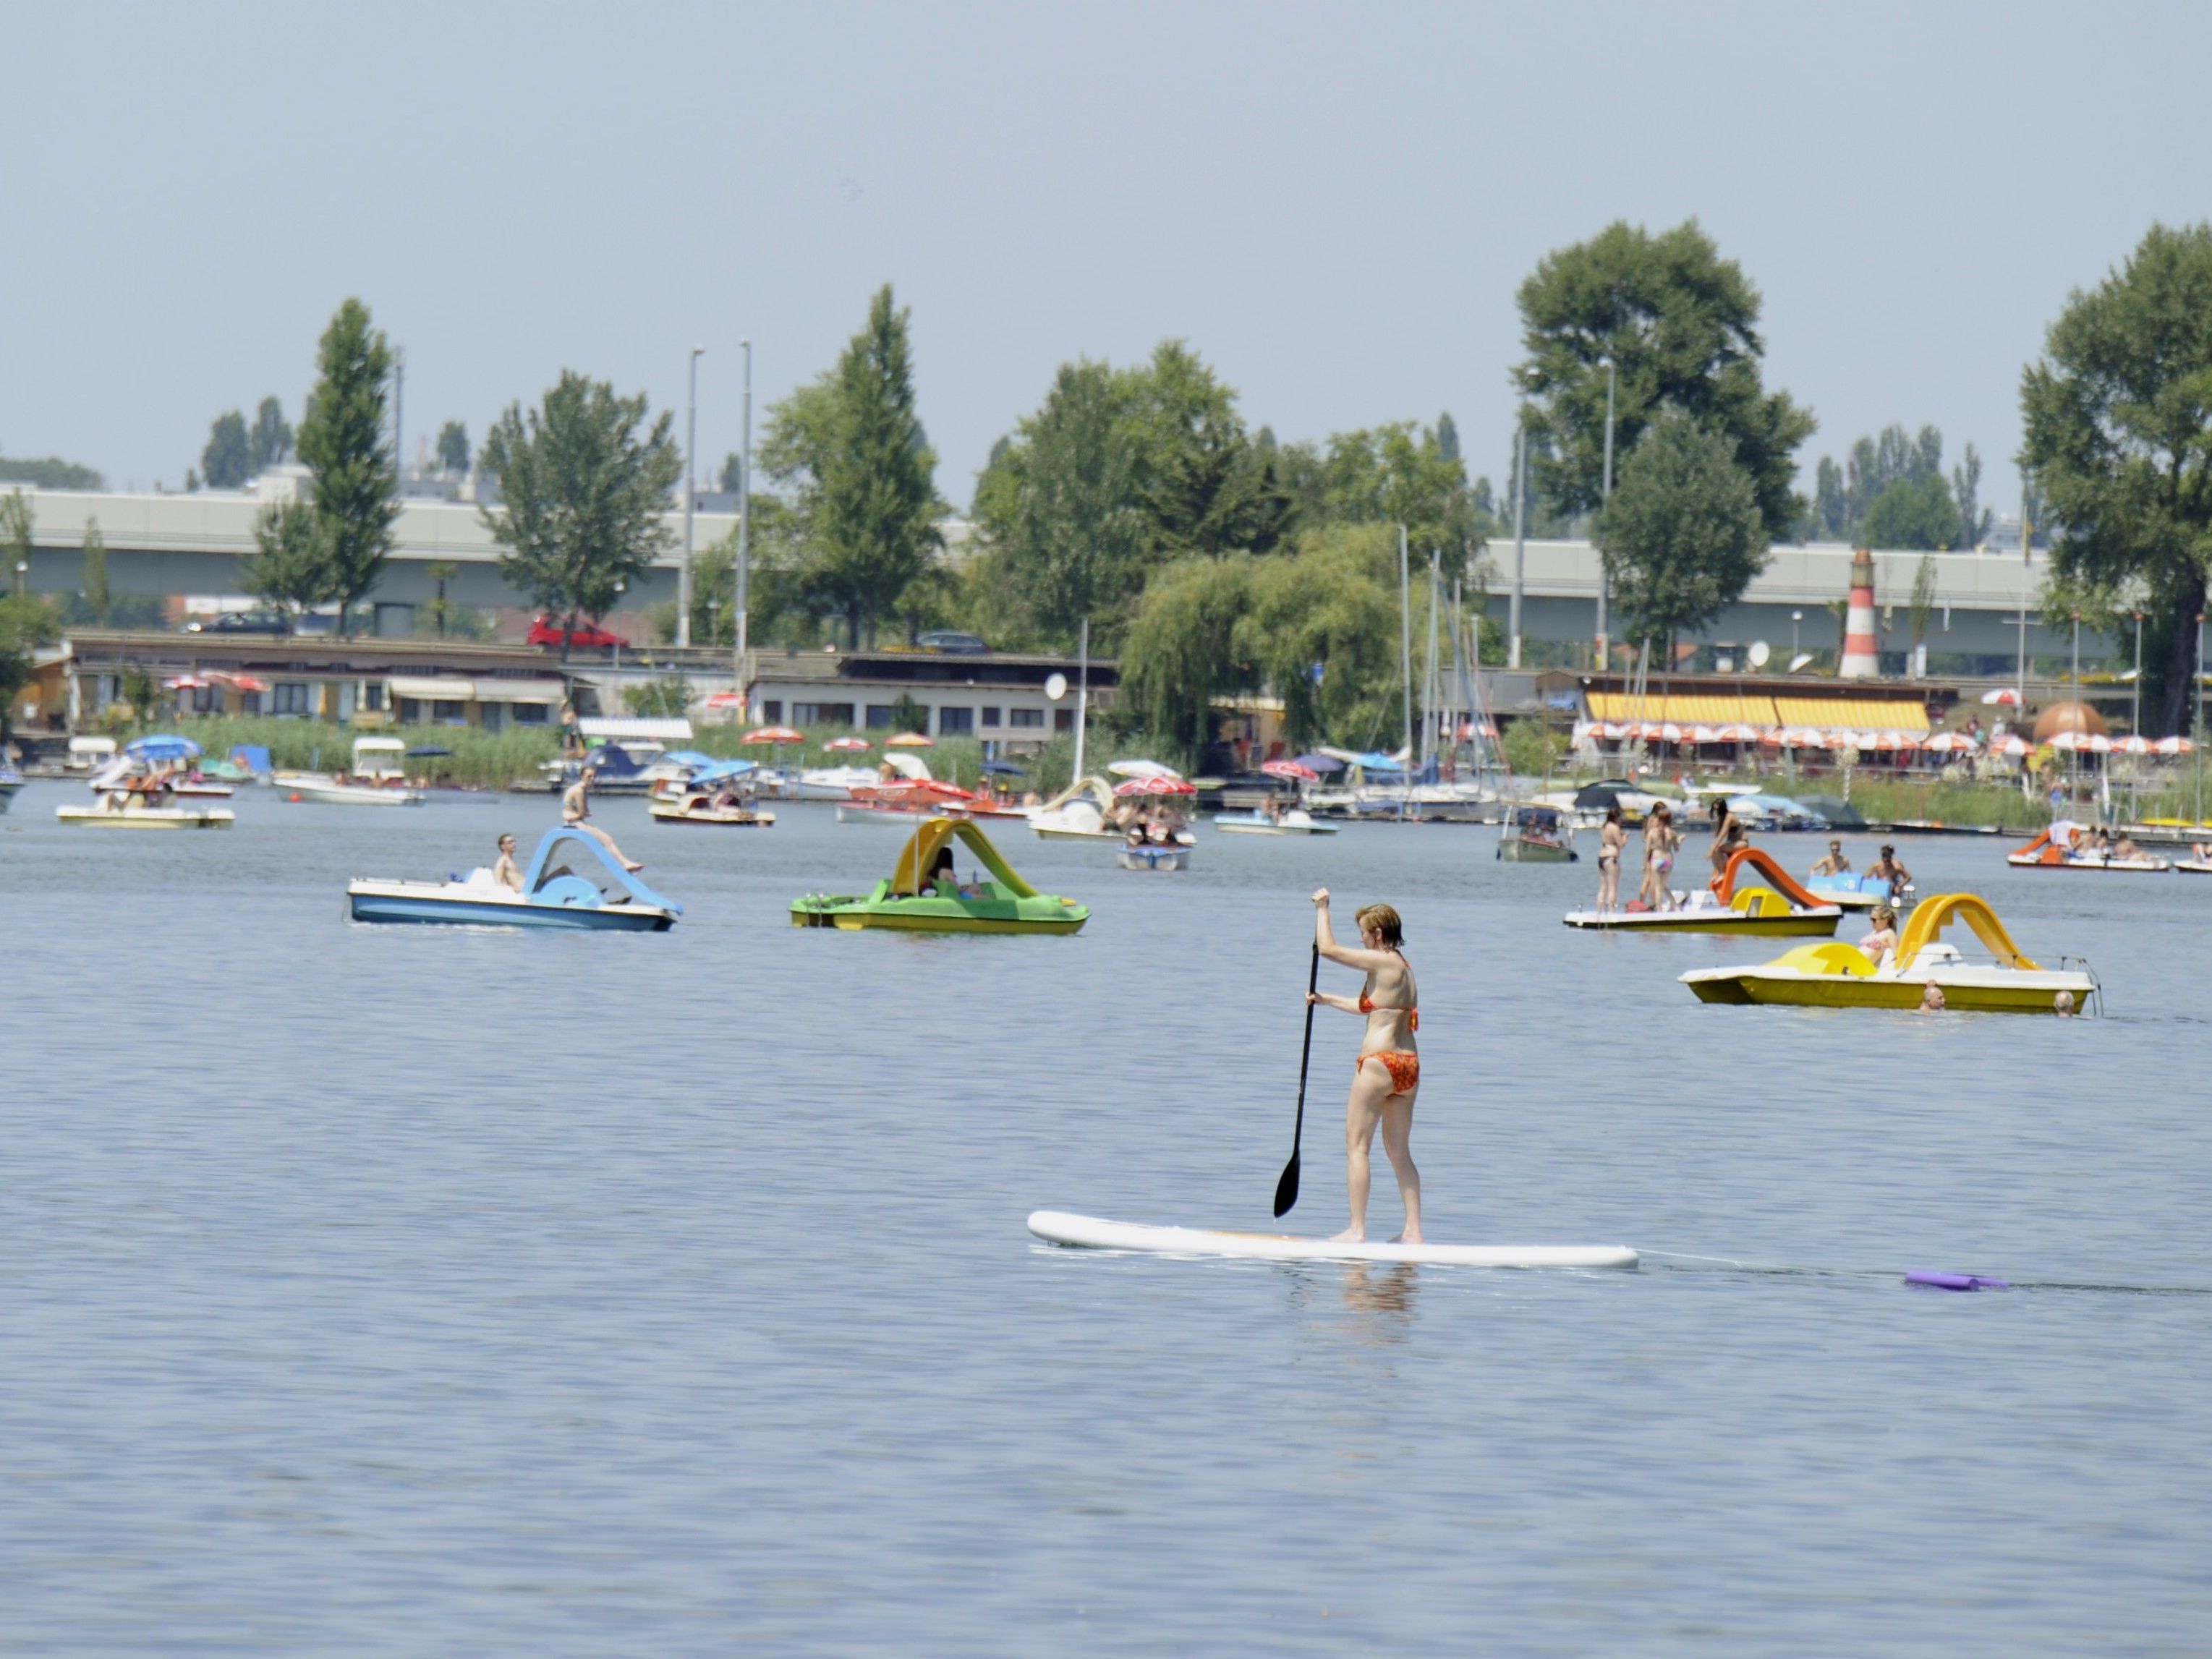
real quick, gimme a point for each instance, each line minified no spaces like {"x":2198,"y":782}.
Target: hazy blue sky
{"x":1334,"y":203}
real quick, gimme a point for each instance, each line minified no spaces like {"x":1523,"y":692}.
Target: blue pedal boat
{"x":573,"y":882}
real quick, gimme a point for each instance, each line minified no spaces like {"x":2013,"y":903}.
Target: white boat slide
{"x":1094,"y":1232}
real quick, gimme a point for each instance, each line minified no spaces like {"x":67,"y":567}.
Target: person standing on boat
{"x":1612,"y":838}
{"x":576,"y":811}
{"x":1387,"y":1075}
{"x":1728,"y":840}
{"x":1659,"y":843}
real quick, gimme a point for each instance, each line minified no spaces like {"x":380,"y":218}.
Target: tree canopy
{"x":269,"y":442}
{"x":51,"y":473}
{"x":27,"y":622}
{"x":342,"y":440}
{"x":849,"y":451}
{"x":2119,"y":438}
{"x":227,"y":462}
{"x":583,"y":495}
{"x":453,"y":448}
{"x":1680,"y":325}
{"x":290,"y":568}
{"x":1890,"y":492}
{"x":1682,"y":536}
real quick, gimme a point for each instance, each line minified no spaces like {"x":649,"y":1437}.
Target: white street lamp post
{"x":690,"y":490}
{"x":1605,"y":495}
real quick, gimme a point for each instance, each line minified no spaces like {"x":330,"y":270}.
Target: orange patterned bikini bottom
{"x":1405,"y":1068}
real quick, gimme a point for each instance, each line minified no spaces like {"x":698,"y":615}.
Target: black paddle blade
{"x":1287,"y":1190}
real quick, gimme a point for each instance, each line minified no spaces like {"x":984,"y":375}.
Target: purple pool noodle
{"x":1956,"y":1282}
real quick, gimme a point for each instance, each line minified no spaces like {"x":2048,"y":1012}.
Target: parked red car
{"x":546,"y":631}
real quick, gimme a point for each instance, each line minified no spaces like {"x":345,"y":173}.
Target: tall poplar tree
{"x":342,"y":441}
{"x":851,"y":451}
{"x":97,"y":596}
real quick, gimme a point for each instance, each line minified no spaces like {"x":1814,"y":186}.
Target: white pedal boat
{"x":117,"y":812}
{"x":1295,"y":822}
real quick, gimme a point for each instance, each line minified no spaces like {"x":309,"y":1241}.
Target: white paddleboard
{"x":1092,"y":1232}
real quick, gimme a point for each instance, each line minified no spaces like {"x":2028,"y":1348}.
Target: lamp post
{"x":1520,"y":537}
{"x":2199,"y":688}
{"x":1605,"y":495}
{"x":1795,"y":616}
{"x":744,"y":514}
{"x":690,"y":490}
{"x":22,"y":577}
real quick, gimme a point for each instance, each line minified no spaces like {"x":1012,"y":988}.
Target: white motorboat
{"x":1295,"y":822}
{"x":832,"y":782}
{"x":376,"y":779}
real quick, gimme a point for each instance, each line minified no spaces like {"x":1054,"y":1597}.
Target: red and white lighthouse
{"x":1862,"y":655}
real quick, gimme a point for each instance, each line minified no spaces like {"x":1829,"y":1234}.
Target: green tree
{"x":226,"y":460}
{"x":1916,"y":513}
{"x":1182,"y":650}
{"x":1401,"y":473}
{"x":1680,"y":325}
{"x":668,"y":697}
{"x":850,"y":450}
{"x":270,"y":443}
{"x":2118,"y":417}
{"x":290,"y":568}
{"x":1323,"y":631}
{"x":28,"y":623}
{"x":908,"y":714}
{"x":1683,"y":535}
{"x":51,"y":473}
{"x":342,"y":440}
{"x":585,"y":493}
{"x":16,"y":521}
{"x":1966,"y":491}
{"x":97,"y":596}
{"x":453,"y":448}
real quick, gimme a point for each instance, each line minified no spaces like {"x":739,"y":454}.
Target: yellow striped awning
{"x":1862,"y":713}
{"x":1683,"y":710}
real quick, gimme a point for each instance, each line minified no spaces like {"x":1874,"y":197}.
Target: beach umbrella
{"x":1294,"y":770}
{"x":1904,"y":742}
{"x":2084,"y":743}
{"x":162,"y":746}
{"x":847,"y":746}
{"x":2131,"y":744}
{"x":1950,"y":743}
{"x":1803,"y":737}
{"x":1584,"y":732}
{"x":908,"y":740}
{"x":2003,"y":693}
{"x":2174,"y":746}
{"x":773,"y":734}
{"x":1706,"y":734}
{"x":1735,"y":732}
{"x":2012,"y":745}
{"x":185,"y":683}
{"x":727,"y":700}
{"x":1142,"y":768}
{"x":1324,"y":763}
{"x":1155,"y":786}
{"x":1665,"y":732}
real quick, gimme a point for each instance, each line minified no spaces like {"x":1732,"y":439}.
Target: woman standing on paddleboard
{"x":1388,"y":1074}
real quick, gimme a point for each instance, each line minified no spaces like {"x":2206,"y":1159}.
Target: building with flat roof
{"x":998,"y":697}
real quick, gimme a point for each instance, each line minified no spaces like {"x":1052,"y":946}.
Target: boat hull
{"x":2113,"y":866}
{"x":2017,"y":994}
{"x":712,"y":818}
{"x":324,"y":793}
{"x":154,"y":818}
{"x":424,"y":908}
{"x":933,"y":916}
{"x":1236,"y":824}
{"x":1796,"y":924}
{"x":1535,"y":851}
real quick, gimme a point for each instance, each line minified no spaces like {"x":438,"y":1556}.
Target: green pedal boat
{"x":924,"y":895}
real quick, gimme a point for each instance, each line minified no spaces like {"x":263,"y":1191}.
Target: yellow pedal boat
{"x":1834,"y":974}
{"x":923,"y":895}
{"x":1782,"y":907}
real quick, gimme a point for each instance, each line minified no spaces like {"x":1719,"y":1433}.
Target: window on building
{"x":1029,"y":717}
{"x":531,"y":713}
{"x":207,"y":700}
{"x":410,"y":710}
{"x":772,"y":711}
{"x":822,"y":714}
{"x":955,"y":722}
{"x":990,"y":716}
{"x":372,"y":696}
{"x":1063,"y":719}
{"x":445,"y":710}
{"x":879,"y":716}
{"x":250,"y":704}
{"x":290,"y":697}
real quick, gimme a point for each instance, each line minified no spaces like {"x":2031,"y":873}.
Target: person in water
{"x":1931,"y":999}
{"x":1835,"y":864}
{"x":576,"y":812}
{"x":1387,"y":1075}
{"x":2063,"y":1005}
{"x":506,"y":872}
{"x":1612,"y":838}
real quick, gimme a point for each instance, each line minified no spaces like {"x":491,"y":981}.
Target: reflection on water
{"x":1381,"y":1293}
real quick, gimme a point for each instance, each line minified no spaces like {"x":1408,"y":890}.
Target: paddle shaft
{"x":1287,"y":1190}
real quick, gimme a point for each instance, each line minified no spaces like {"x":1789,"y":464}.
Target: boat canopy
{"x":158,"y":746}
{"x":554,"y":865}
{"x":379,"y":746}
{"x":1932,"y":915}
{"x":920,"y":853}
{"x":668,"y":731}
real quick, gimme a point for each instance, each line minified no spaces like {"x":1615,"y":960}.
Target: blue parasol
{"x":714,"y":771}
{"x":1006,"y":768}
{"x":1321,"y":764}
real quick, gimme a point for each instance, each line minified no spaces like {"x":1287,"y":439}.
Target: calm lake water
{"x":373,"y":1290}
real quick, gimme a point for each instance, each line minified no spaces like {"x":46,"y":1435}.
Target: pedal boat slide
{"x":1784,"y":907}
{"x":556,"y":892}
{"x":1835,"y":974}
{"x":911,"y":902}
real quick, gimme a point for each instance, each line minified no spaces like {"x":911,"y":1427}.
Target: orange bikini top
{"x":1367,"y":1006}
